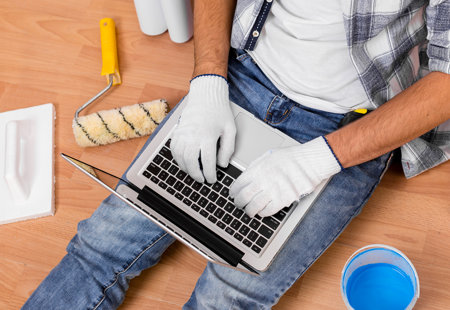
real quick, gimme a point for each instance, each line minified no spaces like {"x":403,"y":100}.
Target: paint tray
{"x":26,"y":163}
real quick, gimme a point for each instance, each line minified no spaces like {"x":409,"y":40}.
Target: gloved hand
{"x":279,"y":177}
{"x":206,"y":118}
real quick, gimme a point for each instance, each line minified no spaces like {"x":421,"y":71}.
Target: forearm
{"x":413,"y":112}
{"x":212,"y":31}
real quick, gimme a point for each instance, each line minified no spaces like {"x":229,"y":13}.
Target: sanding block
{"x":27,"y":163}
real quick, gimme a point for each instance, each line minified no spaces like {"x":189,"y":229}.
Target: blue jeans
{"x":116,"y":243}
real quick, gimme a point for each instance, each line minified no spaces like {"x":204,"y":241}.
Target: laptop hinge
{"x":204,"y":235}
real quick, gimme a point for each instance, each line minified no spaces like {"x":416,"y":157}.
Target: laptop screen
{"x":105,"y":179}
{"x":226,"y":251}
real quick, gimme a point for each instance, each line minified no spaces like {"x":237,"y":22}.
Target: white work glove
{"x":206,"y":118}
{"x":281,"y":176}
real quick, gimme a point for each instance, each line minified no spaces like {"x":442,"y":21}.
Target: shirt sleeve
{"x":438,"y":25}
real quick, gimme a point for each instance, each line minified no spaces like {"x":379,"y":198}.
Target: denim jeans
{"x":116,"y":243}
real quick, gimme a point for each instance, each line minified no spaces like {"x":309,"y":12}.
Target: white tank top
{"x":302,"y":49}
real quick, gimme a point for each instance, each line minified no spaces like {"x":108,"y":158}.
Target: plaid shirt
{"x":392,"y":44}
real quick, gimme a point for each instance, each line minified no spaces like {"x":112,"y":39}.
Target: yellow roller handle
{"x":109,"y":50}
{"x":361,"y":111}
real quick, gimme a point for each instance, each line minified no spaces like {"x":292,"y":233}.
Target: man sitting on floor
{"x":300,"y":66}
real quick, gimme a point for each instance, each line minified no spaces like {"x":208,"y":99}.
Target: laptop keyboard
{"x":212,"y":200}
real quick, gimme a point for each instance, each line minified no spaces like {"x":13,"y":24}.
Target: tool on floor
{"x":26,"y":163}
{"x":123,"y":123}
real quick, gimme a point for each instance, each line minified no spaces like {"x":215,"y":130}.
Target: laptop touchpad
{"x":253,"y":139}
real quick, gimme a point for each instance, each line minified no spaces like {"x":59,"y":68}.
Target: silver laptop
{"x":202,"y":216}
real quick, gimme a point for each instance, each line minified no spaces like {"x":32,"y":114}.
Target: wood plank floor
{"x":50,"y":52}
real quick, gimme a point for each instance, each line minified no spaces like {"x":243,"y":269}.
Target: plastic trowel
{"x":26,"y":163}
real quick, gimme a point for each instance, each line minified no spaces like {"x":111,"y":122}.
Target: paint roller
{"x":109,"y":126}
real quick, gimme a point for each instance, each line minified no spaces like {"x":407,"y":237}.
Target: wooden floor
{"x":50,"y":52}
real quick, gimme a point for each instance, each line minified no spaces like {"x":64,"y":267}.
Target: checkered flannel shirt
{"x":392,"y":44}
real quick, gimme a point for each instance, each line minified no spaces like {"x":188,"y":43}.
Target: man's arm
{"x":212,"y":32}
{"x":413,"y":112}
{"x":296,"y":171}
{"x":207,"y":116}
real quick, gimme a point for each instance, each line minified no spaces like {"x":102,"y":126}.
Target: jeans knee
{"x":223,"y":288}
{"x":110,"y":234}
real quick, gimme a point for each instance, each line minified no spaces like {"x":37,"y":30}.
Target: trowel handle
{"x":15,"y":162}
{"x":110,"y":66}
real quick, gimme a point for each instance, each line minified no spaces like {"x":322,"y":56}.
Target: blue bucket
{"x":379,"y":277}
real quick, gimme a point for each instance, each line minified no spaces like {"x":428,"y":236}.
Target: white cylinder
{"x":178,"y":15}
{"x":150,"y":16}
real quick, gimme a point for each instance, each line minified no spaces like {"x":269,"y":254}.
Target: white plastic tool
{"x":26,"y":163}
